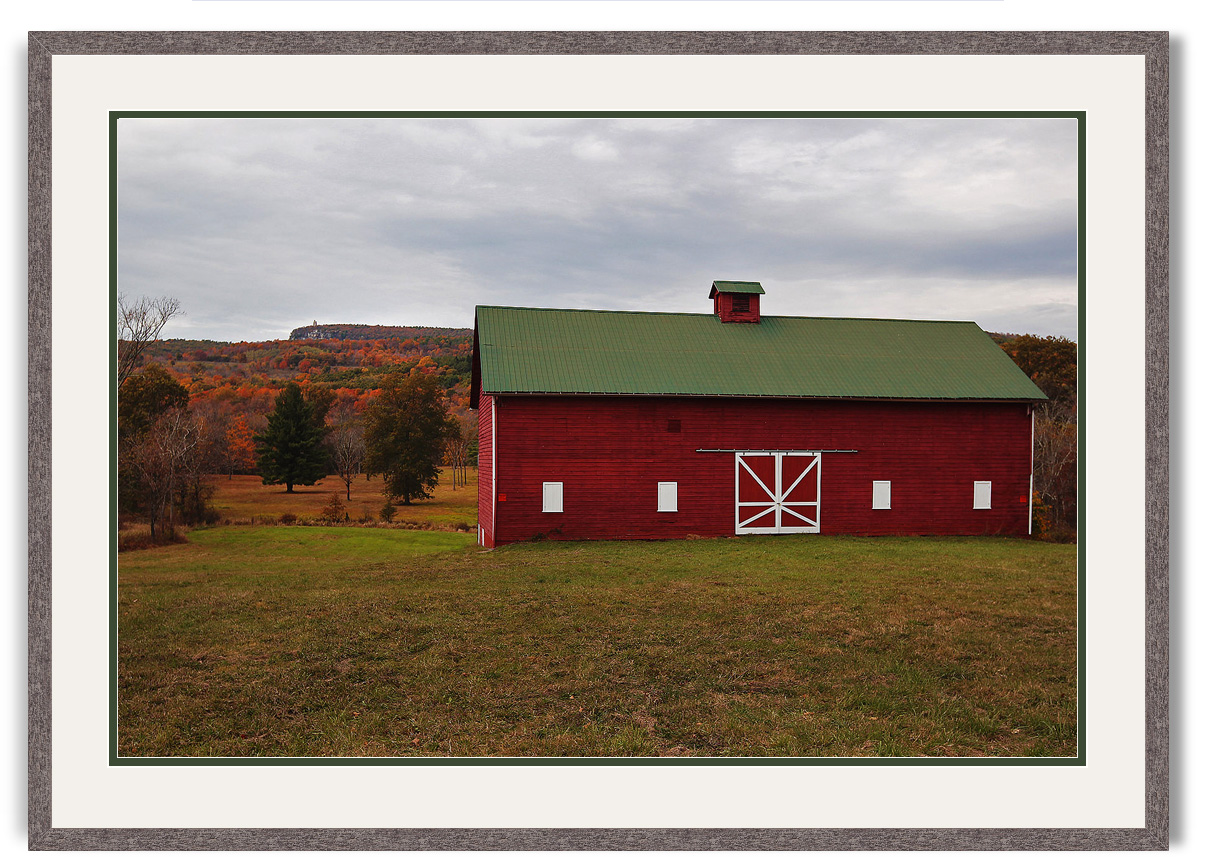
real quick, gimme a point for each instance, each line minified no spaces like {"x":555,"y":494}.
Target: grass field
{"x":244,"y":498}
{"x":256,"y":641}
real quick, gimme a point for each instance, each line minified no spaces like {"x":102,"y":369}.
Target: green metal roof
{"x":537,"y":351}
{"x":738,"y":287}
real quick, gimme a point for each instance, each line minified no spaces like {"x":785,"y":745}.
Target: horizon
{"x":470,"y":328}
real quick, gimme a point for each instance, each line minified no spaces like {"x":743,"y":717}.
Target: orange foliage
{"x":243,"y":379}
{"x":241,"y":448}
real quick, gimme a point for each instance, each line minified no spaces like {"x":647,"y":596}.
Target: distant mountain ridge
{"x":315,"y":331}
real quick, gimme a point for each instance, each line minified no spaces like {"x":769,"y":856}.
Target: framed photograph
{"x":657,"y":491}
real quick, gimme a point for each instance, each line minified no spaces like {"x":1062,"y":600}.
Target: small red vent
{"x":673,"y":425}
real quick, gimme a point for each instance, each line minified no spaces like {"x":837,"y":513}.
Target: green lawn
{"x":252,"y":641}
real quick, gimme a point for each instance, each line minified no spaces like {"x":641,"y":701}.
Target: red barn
{"x":595,"y":424}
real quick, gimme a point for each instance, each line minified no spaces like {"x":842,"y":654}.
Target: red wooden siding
{"x":723,"y":307}
{"x":486,"y":452}
{"x":611,"y":452}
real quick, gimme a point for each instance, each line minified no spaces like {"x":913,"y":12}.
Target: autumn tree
{"x":320,"y":399}
{"x":1052,"y":363}
{"x":201,"y":431}
{"x":138,"y":325}
{"x":165,"y":447}
{"x":290,"y":451}
{"x":405,"y":432}
{"x":142,"y":399}
{"x":334,"y":511}
{"x":151,"y":458}
{"x":164,"y":458}
{"x":145,"y":396}
{"x":1055,"y":465}
{"x":240,"y":445}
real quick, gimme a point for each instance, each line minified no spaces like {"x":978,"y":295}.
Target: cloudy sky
{"x":261,"y":225}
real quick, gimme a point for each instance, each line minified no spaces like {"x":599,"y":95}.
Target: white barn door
{"x":777,"y":492}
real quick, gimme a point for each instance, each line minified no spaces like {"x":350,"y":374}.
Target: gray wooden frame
{"x":43,"y":46}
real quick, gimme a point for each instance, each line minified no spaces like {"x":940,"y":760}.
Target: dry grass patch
{"x":244,"y":499}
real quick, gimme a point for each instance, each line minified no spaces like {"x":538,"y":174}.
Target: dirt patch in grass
{"x":308,"y":641}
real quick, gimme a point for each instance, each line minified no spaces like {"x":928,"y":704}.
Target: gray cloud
{"x":260,"y":225}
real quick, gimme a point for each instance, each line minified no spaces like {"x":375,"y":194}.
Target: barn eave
{"x":849,"y":397}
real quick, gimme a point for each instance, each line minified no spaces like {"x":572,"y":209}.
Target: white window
{"x":551,"y":496}
{"x":880,"y":494}
{"x":668,"y":496}
{"x":981,"y":494}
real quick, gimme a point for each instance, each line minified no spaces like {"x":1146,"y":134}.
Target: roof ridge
{"x":714,"y":315}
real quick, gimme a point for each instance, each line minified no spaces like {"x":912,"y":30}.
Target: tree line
{"x":1052,"y":363}
{"x":168,"y":444}
{"x":403,"y":436}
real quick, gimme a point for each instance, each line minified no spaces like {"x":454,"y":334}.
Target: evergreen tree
{"x":291,"y":450}
{"x":405,"y":432}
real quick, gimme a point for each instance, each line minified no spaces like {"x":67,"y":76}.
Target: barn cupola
{"x":736,"y":301}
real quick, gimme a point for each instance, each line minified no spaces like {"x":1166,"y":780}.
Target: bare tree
{"x":1055,"y":460}
{"x":205,"y":455}
{"x":457,"y":450}
{"x":139,"y":324}
{"x":455,"y":453}
{"x":346,"y":443}
{"x":469,"y":436}
{"x":163,"y":457}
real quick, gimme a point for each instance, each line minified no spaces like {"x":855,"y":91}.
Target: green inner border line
{"x":116,"y":760}
{"x":113,"y":680}
{"x":1082,"y":436}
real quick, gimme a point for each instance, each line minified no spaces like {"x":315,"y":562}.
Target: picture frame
{"x":45,"y":47}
